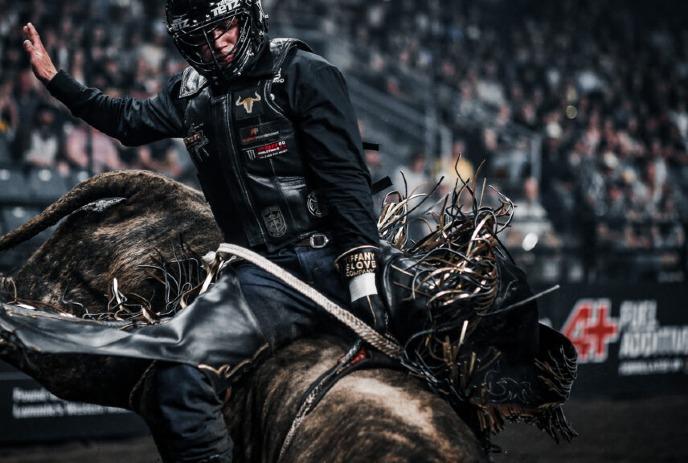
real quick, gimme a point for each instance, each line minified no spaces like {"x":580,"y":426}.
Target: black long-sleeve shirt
{"x":317,"y":101}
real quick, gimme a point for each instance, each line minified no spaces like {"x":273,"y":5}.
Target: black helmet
{"x":193,"y":25}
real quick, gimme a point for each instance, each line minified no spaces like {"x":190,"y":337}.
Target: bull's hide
{"x":371,"y":415}
{"x":113,"y":224}
{"x":366,"y":416}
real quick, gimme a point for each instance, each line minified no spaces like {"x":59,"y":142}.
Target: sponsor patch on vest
{"x":196,"y":143}
{"x":274,"y":221}
{"x":259,"y":133}
{"x":267,"y":151}
{"x":316,"y":206}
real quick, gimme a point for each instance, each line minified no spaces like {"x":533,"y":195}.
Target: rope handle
{"x":226,"y":252}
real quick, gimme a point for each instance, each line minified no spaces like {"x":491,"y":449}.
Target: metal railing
{"x":398,"y":126}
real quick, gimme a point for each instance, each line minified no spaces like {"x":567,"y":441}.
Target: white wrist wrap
{"x":362,"y":286}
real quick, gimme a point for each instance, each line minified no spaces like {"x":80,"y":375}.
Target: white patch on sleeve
{"x":362,"y":286}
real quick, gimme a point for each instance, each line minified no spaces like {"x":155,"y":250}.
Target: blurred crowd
{"x":602,"y":84}
{"x":119,"y":46}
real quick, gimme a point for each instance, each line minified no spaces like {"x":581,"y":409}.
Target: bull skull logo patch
{"x":248,"y":102}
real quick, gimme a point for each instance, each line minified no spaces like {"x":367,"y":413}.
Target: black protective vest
{"x":249,"y":162}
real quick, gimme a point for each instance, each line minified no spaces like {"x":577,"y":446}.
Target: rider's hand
{"x":358,"y":266}
{"x":42,"y":65}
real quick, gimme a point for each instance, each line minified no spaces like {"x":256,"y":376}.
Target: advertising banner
{"x":28,"y":412}
{"x":631,"y":340}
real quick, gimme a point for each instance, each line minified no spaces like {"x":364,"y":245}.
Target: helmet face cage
{"x":194,"y":26}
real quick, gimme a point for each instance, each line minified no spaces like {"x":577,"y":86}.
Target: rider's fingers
{"x":30,"y":49}
{"x":34,"y":36}
{"x":27,"y":45}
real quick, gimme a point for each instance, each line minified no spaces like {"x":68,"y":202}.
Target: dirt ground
{"x":641,"y":430}
{"x":650,"y":430}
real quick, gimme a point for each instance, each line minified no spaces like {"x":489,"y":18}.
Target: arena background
{"x":578,"y":110}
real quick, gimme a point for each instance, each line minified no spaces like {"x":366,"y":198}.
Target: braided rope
{"x":314,"y":396}
{"x":382,"y":343}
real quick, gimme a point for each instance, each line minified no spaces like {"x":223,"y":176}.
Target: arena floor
{"x":651,"y":430}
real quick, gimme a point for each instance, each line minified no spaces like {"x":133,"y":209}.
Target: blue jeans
{"x":283,"y":313}
{"x":183,"y":407}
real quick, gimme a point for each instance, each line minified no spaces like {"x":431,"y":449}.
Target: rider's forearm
{"x":131,"y":121}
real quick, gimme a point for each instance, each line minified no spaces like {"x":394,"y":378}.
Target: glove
{"x":358,"y":267}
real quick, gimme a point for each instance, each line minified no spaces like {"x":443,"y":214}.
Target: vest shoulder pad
{"x":192,"y":83}
{"x":281,"y":47}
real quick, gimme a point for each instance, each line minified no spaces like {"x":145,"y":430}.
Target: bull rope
{"x":227,"y":253}
{"x":224,"y":254}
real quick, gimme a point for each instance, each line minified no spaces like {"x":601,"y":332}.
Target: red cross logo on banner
{"x":591,"y":329}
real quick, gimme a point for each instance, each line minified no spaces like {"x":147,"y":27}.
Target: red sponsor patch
{"x":267,"y":151}
{"x":195,"y":140}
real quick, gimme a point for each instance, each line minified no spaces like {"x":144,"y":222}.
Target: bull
{"x":116,"y":226}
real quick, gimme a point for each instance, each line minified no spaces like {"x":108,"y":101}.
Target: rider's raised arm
{"x":131,"y":121}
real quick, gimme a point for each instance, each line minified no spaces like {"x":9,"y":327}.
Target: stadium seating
{"x":46,"y":185}
{"x":5,"y":155}
{"x":75,"y":177}
{"x":13,"y":187}
{"x":13,"y":217}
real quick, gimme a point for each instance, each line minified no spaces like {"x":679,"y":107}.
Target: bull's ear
{"x":192,"y":83}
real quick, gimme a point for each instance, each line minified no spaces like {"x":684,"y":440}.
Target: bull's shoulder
{"x":369,"y":415}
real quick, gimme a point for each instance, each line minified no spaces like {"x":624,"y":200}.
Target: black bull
{"x":370,"y":415}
